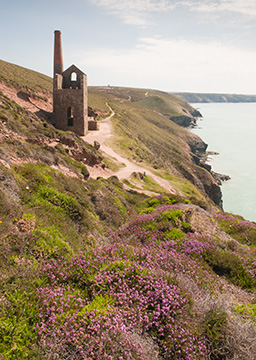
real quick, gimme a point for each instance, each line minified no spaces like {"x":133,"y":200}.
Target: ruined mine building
{"x":70,"y":99}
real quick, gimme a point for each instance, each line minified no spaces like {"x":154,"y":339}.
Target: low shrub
{"x":49,"y":242}
{"x":215,"y":331}
{"x":240,"y":229}
{"x":109,"y":293}
{"x":18,"y":316}
{"x":64,"y":201}
{"x":228,"y":264}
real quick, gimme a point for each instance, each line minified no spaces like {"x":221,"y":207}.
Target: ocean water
{"x":230,"y":130}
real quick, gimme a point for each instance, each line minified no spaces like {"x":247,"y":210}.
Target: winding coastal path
{"x":104,"y":133}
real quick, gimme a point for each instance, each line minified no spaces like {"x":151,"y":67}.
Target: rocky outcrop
{"x":220,"y":177}
{"x":79,"y":151}
{"x":197,"y":145}
{"x":184,"y":121}
{"x":203,"y":177}
{"x":96,"y":145}
{"x":8,"y":184}
{"x":92,"y":113}
{"x":188,"y":118}
{"x":210,"y":186}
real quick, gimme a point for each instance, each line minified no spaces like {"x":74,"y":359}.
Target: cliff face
{"x":183,"y":120}
{"x":188,"y":119}
{"x":203,"y":177}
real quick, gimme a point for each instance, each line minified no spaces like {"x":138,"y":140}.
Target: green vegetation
{"x":248,"y":311}
{"x":24,"y":79}
{"x":216,"y":331}
{"x":240,"y":229}
{"x":93,"y":269}
{"x":228,"y":264}
{"x":144,"y":133}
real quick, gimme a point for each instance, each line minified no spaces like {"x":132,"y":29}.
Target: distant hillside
{"x":218,"y":98}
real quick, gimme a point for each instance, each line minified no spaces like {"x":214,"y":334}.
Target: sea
{"x":229,"y":129}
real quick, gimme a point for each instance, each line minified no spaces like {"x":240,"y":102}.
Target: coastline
{"x":229,"y":130}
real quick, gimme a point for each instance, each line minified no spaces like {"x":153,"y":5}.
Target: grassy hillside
{"x":24,"y":79}
{"x":218,"y":98}
{"x":145,"y":133}
{"x":91,"y":269}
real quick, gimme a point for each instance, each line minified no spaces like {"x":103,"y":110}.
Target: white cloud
{"x":243,"y":7}
{"x":135,"y":12}
{"x":173,"y":65}
{"x":141,"y":12}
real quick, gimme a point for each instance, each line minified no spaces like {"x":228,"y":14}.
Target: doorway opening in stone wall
{"x":70,"y":116}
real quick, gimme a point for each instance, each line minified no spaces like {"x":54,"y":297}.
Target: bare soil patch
{"x":33,"y":103}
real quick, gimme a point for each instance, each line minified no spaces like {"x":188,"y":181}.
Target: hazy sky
{"x":170,"y":45}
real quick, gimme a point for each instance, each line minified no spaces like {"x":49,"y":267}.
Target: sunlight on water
{"x":230,"y":130}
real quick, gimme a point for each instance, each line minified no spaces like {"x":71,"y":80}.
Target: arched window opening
{"x":74,"y":76}
{"x":70,"y":116}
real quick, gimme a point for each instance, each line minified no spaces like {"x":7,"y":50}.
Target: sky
{"x":203,"y":46}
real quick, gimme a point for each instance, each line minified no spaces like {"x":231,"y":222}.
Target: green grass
{"x":97,"y":100}
{"x":179,"y":183}
{"x":24,"y":79}
{"x":248,"y":311}
{"x":144,"y":182}
{"x":112,"y":163}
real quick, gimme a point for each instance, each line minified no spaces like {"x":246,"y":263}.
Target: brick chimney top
{"x":58,"y":59}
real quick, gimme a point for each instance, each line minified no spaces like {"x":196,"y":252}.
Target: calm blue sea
{"x":230,"y":130}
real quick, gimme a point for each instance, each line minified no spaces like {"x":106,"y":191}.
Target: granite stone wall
{"x":70,"y":101}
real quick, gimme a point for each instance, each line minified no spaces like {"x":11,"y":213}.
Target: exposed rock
{"x":79,"y":152}
{"x":26,"y":225}
{"x":210,"y":186}
{"x":36,"y":141}
{"x":8,"y":183}
{"x":65,"y":139}
{"x":203,"y":223}
{"x":196,"y":113}
{"x":5,"y":164}
{"x":197,"y":145}
{"x":138,"y":175}
{"x":206,"y":166}
{"x":84,"y":156}
{"x":220,"y":177}
{"x":92,"y":113}
{"x":183,"y":120}
{"x":96,"y":145}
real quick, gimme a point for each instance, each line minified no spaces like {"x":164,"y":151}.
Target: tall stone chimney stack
{"x":58,"y":59}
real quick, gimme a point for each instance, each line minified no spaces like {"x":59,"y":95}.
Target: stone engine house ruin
{"x":70,"y":96}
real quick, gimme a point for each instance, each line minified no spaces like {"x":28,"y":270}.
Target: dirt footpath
{"x":104,"y":133}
